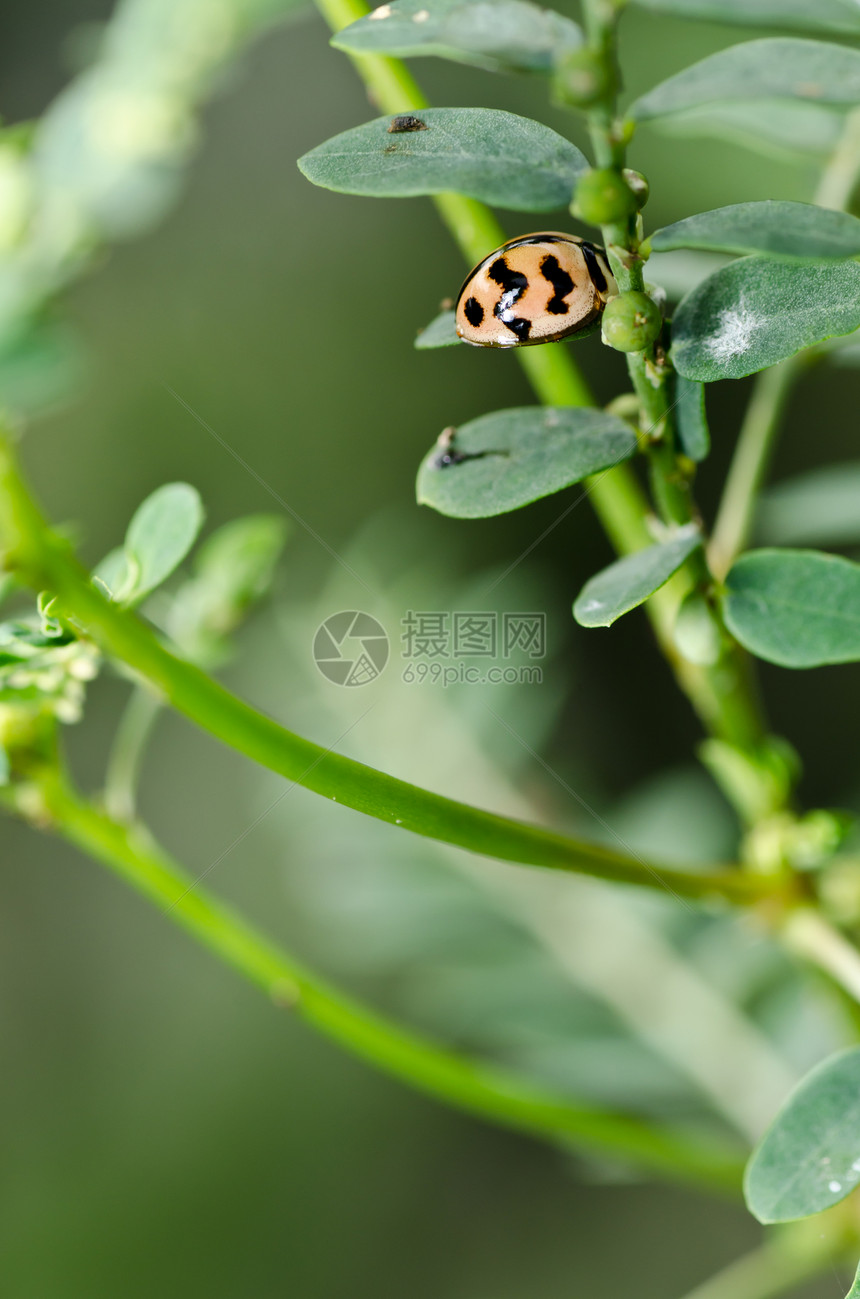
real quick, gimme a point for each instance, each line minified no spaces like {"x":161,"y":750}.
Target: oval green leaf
{"x":160,"y":535}
{"x":493,"y":34}
{"x":776,"y":128}
{"x":809,"y":1158}
{"x":772,"y":228}
{"x":854,"y":1292}
{"x":759,"y":311}
{"x":439,"y":333}
{"x":781,"y":68}
{"x":691,"y":418}
{"x":629,"y":582}
{"x":497,"y":157}
{"x":797,"y":608}
{"x":821,"y":508}
{"x":802,"y":15}
{"x":505,"y":460}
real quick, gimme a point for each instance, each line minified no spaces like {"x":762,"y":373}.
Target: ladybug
{"x":534,"y":289}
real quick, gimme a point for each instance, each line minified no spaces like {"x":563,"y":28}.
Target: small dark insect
{"x":407,"y":122}
{"x":448,"y":456}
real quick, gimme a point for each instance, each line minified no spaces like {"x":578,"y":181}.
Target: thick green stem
{"x":479,"y":1089}
{"x":46,"y":561}
{"x":721,"y":697}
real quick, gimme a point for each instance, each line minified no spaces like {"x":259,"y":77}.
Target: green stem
{"x":126,"y":756}
{"x":749,"y":465}
{"x":46,"y":561}
{"x":722,"y":697}
{"x":791,"y":1256}
{"x":807,"y":933}
{"x":479,"y":1089}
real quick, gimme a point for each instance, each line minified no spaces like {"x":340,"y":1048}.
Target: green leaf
{"x":776,"y":128}
{"x":774,"y":228}
{"x":439,"y":333}
{"x":820,"y":508}
{"x":493,"y":34}
{"x":797,"y":608}
{"x":162,"y":532}
{"x":493,"y":156}
{"x":691,"y":418}
{"x":116,"y":575}
{"x":503,"y":461}
{"x":233,"y":570}
{"x":809,"y":1158}
{"x":160,"y":535}
{"x":854,"y":1292}
{"x":758,"y":311}
{"x":629,"y":582}
{"x":5,"y":767}
{"x":802,"y":15}
{"x":781,"y":68}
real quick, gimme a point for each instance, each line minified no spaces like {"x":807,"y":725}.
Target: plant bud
{"x":581,"y":79}
{"x":639,"y":186}
{"x":603,"y":198}
{"x":631,"y":322}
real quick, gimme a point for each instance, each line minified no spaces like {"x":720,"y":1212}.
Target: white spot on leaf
{"x":834,"y":1186}
{"x":421,"y":16}
{"x":734,"y":333}
{"x":384,"y":11}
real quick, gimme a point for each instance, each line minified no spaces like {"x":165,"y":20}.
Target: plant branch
{"x":126,"y":756}
{"x":789,"y":1256}
{"x":479,"y":1089}
{"x":45,"y":560}
{"x":807,"y":933}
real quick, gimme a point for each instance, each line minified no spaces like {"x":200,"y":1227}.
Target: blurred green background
{"x":165,"y":1132}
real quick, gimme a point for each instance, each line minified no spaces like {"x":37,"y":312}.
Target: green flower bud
{"x":581,"y":78}
{"x":602,"y":198}
{"x":639,"y":186}
{"x":631,"y":322}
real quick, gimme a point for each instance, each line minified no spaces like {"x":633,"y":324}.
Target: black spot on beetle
{"x":406,"y":122}
{"x":561,"y":282}
{"x":473,"y":312}
{"x":598,"y":279}
{"x":513,"y":285}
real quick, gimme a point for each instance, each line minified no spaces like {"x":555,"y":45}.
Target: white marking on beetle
{"x":384,"y":11}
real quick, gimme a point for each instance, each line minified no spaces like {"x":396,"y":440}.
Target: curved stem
{"x":810,"y":935}
{"x":126,"y":756}
{"x":770,"y":1270}
{"x":46,"y":561}
{"x":479,"y":1089}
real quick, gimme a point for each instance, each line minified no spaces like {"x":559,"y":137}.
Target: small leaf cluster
{"x":46,"y":660}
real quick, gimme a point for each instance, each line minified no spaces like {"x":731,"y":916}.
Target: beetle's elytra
{"x":534,"y":289}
